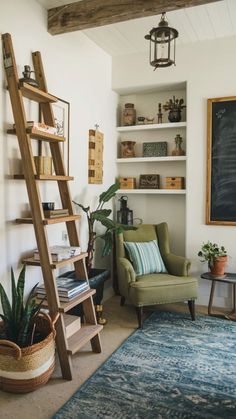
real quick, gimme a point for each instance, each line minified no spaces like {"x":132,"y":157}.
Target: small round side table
{"x":229,"y":278}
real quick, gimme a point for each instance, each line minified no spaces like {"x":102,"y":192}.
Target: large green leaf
{"x":108,"y":223}
{"x":85,"y":209}
{"x":18,"y":308}
{"x":22,"y":338}
{"x":6,"y":306}
{"x":99,"y":215}
{"x":13,"y":293}
{"x":111,"y":191}
{"x":108,"y":243}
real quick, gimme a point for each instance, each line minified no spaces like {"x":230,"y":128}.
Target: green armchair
{"x":172,"y":285}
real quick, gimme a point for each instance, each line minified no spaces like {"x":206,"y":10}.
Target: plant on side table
{"x":101,"y":215}
{"x":215,"y":255}
{"x":27,"y":346}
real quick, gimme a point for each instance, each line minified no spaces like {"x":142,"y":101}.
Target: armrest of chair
{"x":177,"y":265}
{"x":127,"y":269}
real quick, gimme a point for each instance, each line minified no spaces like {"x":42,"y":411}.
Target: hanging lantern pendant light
{"x":162,"y":44}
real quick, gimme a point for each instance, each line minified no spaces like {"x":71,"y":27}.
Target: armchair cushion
{"x":145,"y":257}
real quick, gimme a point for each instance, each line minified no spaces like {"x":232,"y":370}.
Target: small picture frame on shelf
{"x":149,"y":181}
{"x":155,"y":149}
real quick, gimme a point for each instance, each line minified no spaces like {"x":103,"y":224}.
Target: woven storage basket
{"x":25,"y":369}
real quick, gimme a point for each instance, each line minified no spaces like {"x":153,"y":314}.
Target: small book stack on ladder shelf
{"x":62,"y":212}
{"x":59,"y":253}
{"x":68,"y":288}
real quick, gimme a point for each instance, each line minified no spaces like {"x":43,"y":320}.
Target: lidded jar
{"x":129,"y":114}
{"x":178,"y":151}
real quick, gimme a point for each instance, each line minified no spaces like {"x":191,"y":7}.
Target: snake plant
{"x":18,"y":316}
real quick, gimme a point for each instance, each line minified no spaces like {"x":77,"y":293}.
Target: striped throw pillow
{"x":145,"y":257}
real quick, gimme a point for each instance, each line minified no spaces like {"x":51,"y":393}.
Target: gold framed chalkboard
{"x":221,"y":161}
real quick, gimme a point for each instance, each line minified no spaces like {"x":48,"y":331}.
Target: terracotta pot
{"x":218,"y":268}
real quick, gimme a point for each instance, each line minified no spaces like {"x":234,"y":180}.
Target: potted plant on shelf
{"x":27,"y":340}
{"x":215,"y":255}
{"x":174,"y":106}
{"x":100,"y":215}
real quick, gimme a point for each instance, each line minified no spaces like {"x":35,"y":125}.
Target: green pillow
{"x":145,"y":257}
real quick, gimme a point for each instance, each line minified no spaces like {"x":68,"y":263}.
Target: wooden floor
{"x":43,"y":403}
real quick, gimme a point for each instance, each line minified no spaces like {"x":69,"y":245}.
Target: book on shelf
{"x":68,"y":288}
{"x":62,"y":212}
{"x":40,"y":126}
{"x":59,"y":253}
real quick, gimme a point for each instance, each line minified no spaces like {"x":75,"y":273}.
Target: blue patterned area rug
{"x":172,"y":369}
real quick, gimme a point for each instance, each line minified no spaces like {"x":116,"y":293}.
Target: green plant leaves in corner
{"x":111,"y":191}
{"x":100,"y":215}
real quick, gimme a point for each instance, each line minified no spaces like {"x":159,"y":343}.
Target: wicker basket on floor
{"x":23,"y":370}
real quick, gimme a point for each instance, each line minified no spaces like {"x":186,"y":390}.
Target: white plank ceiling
{"x":200,"y":23}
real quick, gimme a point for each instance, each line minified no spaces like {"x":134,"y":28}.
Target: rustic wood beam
{"x":92,"y":13}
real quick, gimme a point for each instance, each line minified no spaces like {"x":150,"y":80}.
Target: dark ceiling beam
{"x":92,"y":13}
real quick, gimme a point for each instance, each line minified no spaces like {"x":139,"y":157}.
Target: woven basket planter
{"x":23,"y":370}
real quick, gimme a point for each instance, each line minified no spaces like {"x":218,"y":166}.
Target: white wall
{"x":209,"y":70}
{"x":79,"y":72}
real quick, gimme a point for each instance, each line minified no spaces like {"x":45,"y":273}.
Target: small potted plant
{"x":27,"y":340}
{"x":215,"y":255}
{"x":174,"y":106}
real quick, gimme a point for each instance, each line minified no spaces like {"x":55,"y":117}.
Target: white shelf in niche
{"x":150,"y":159}
{"x":153,"y":191}
{"x":152,"y":126}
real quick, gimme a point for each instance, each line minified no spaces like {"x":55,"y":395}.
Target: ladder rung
{"x":81,"y":337}
{"x":64,"y":307}
{"x":55,"y":265}
{"x":40,"y":135}
{"x":33,"y":93}
{"x":46,"y":221}
{"x":47,"y":177}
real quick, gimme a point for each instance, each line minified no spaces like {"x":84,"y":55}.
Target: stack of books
{"x":40,"y":126}
{"x":59,"y":253}
{"x":68,"y":288}
{"x":62,"y":212}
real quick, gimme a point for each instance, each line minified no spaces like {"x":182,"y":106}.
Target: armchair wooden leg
{"x":191,"y":306}
{"x":139,"y":311}
{"x":122,"y":301}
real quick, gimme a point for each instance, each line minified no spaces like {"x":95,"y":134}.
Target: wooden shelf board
{"x":33,"y":93}
{"x":151,"y":126}
{"x":56,"y":265}
{"x":40,"y":135}
{"x":80,"y":338}
{"x":66,"y":306}
{"x":47,"y":177}
{"x":153,"y":191}
{"x":151,"y":159}
{"x":46,"y":221}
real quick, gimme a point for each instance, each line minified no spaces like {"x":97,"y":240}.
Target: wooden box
{"x":43,"y":165}
{"x":127,"y":182}
{"x":175,"y":182}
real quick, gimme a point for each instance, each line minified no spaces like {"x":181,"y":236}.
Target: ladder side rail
{"x":34,"y":199}
{"x":58,"y":162}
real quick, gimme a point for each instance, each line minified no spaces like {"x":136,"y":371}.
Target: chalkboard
{"x":221,"y":161}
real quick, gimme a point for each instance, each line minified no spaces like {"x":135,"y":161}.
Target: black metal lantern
{"x":162,"y":44}
{"x":124,"y":215}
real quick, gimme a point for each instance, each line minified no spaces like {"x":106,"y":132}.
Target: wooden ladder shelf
{"x":70,"y":337}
